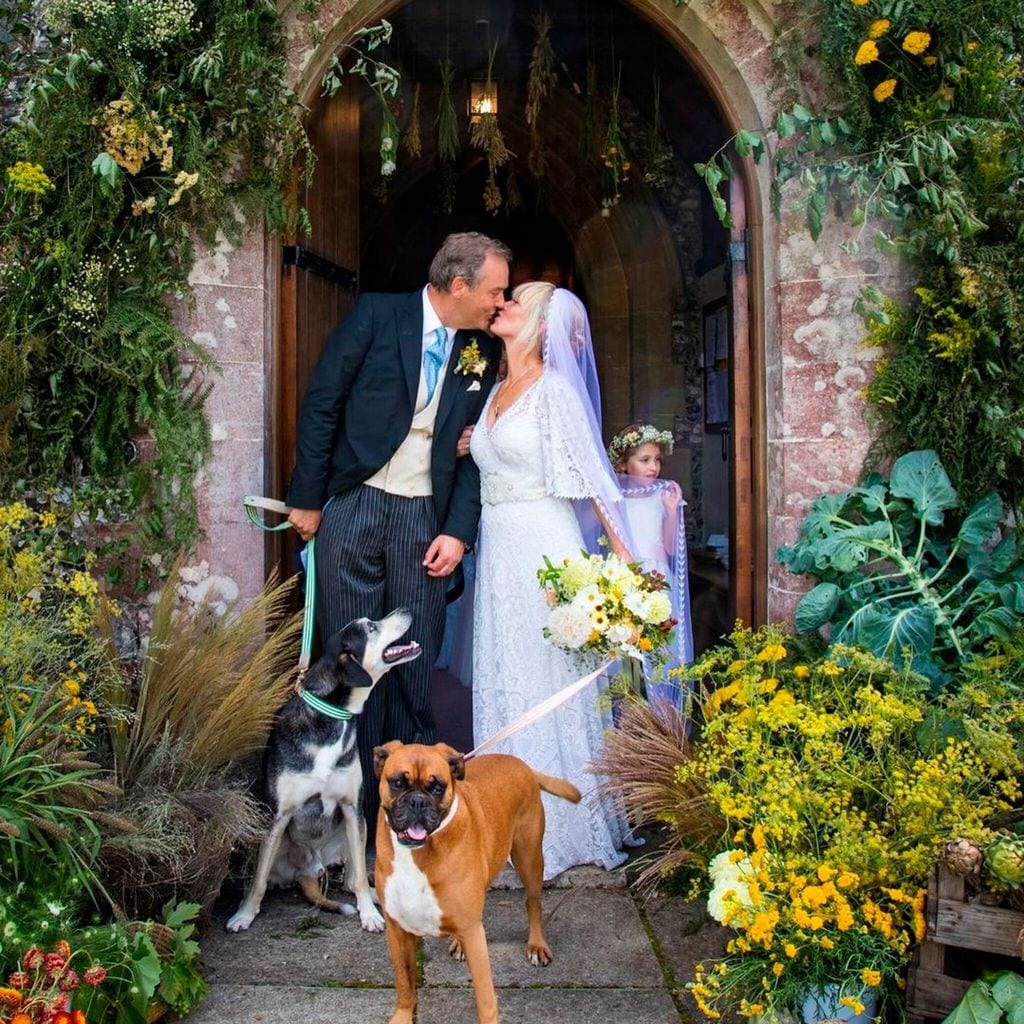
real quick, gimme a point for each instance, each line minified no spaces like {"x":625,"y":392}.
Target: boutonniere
{"x":470,"y":360}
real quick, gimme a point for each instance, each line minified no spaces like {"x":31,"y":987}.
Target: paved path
{"x":616,"y":959}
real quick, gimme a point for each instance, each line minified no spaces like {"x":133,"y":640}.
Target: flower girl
{"x":654,"y":510}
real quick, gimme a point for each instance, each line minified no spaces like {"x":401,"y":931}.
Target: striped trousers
{"x":370,"y":549}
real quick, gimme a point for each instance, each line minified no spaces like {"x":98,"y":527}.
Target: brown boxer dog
{"x":439,"y":847}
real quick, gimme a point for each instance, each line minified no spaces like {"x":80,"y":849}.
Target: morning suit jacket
{"x":360,"y":402}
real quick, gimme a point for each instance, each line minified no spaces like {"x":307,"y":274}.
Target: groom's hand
{"x":306,"y":521}
{"x":443,"y":555}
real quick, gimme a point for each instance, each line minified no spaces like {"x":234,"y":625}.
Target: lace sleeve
{"x":572,"y":469}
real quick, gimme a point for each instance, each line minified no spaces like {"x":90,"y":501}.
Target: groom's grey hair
{"x":462,"y":255}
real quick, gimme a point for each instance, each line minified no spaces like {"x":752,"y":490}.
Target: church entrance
{"x":597,"y":194}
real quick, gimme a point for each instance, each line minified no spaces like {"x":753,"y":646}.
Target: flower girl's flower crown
{"x":633,"y":437}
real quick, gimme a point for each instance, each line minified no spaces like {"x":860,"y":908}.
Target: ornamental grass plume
{"x":209,"y":690}
{"x":638,"y":765}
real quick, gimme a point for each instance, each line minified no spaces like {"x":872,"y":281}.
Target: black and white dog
{"x":312,"y":773}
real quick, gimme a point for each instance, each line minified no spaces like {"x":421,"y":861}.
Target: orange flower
{"x":21,"y":1018}
{"x":867,"y":52}
{"x":916,"y":42}
{"x":859,"y":3}
{"x":884,"y":90}
{"x":878,"y":28}
{"x":78,"y":1017}
{"x":930,"y":60}
{"x":645,"y":644}
{"x":10,"y":997}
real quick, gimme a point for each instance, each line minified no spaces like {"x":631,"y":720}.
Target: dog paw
{"x":456,"y":952}
{"x":539,"y":956}
{"x":240,"y":921}
{"x":371,"y":920}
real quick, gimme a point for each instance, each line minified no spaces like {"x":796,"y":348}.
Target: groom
{"x":376,"y":474}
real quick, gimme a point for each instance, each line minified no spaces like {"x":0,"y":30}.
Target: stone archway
{"x":804,"y":432}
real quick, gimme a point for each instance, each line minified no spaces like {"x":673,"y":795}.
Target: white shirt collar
{"x":431,"y":322}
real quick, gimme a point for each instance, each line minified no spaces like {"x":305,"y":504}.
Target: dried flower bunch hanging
{"x":446,"y":124}
{"x":615,"y":167}
{"x":541,"y":81}
{"x":485,"y":134}
{"x":657,"y":154}
{"x":413,"y":141}
{"x":588,"y":124}
{"x":446,"y":128}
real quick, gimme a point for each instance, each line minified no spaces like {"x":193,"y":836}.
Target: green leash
{"x":252,"y":504}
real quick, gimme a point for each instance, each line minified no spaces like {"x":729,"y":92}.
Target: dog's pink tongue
{"x":417,"y":833}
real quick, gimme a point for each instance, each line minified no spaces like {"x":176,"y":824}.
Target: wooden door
{"x":319,"y":279}
{"x":746,"y":553}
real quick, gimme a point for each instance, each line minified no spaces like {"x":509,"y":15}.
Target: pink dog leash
{"x":539,"y":711}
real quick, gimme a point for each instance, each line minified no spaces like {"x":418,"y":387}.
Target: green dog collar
{"x":330,"y":710}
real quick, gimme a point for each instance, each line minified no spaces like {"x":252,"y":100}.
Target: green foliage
{"x":146,"y":962}
{"x":994,"y":998}
{"x":950,"y":376}
{"x":917,"y":140}
{"x":903,"y":579}
{"x":150,"y":129}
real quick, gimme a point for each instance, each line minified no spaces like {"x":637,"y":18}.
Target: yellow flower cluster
{"x":867,"y":52}
{"x":884,"y":90}
{"x":835,"y":812}
{"x":29,"y":178}
{"x":916,"y":42}
{"x":131,"y":136}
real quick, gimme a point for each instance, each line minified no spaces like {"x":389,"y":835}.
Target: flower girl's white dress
{"x":528,"y":474}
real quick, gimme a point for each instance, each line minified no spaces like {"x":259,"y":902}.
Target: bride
{"x":543,"y":470}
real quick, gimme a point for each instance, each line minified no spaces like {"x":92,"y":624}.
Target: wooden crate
{"x":955,"y":926}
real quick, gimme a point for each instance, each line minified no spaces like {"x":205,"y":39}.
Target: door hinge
{"x":296,"y":256}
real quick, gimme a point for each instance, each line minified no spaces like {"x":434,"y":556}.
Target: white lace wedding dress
{"x":524,"y":460}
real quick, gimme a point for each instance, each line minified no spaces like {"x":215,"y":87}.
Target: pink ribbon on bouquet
{"x":539,"y":711}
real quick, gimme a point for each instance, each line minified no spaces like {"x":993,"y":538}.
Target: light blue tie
{"x":433,"y":360}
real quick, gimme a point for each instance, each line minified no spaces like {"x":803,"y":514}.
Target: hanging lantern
{"x":483,"y":99}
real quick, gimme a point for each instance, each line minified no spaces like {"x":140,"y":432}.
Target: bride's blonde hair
{"x":533,"y":298}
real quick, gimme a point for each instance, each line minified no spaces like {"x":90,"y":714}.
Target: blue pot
{"x":823,"y":1004}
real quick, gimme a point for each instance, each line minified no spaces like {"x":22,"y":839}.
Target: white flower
{"x":730,"y":887}
{"x":589,"y":597}
{"x":54,"y":908}
{"x":657,"y":608}
{"x":387,"y":168}
{"x":620,"y":634}
{"x":386,"y":144}
{"x":636,"y":602}
{"x":723,"y":866}
{"x":570,"y":626}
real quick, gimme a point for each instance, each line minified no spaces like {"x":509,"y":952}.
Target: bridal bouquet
{"x":602,"y":605}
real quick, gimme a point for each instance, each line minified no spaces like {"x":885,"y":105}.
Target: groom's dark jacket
{"x":360,"y":402}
